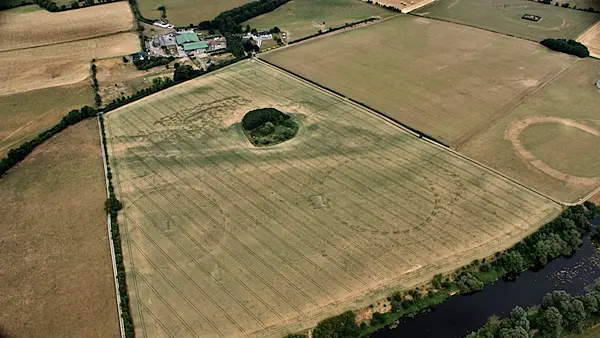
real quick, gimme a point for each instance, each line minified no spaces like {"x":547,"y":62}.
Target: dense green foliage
{"x":391,"y":8}
{"x":342,"y":326}
{"x":268,"y":126}
{"x":152,"y":61}
{"x":567,"y":46}
{"x":230,"y":20}
{"x":112,"y":207}
{"x":291,"y":335}
{"x":97,"y":98}
{"x":559,"y":313}
{"x":16,"y":155}
{"x":9,"y":6}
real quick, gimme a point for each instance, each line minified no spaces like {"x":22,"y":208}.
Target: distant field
{"x":504,"y":16}
{"x":184,"y":12}
{"x":591,"y":39}
{"x":25,"y":114}
{"x":58,"y":65}
{"x":549,"y":142}
{"x":443,"y":79}
{"x":56,"y":269}
{"x":227,"y":240}
{"x":405,"y":5}
{"x":22,"y":30}
{"x":301,"y":18}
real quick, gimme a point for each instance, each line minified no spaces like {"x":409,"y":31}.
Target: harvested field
{"x":116,"y":78}
{"x":505,"y":16}
{"x":57,"y":277}
{"x":223,"y":239}
{"x":591,"y":39}
{"x":432,"y":77}
{"x":184,"y":12}
{"x":549,"y":142}
{"x":60,"y":64}
{"x":40,"y":28}
{"x":25,"y":114}
{"x":300,"y":18}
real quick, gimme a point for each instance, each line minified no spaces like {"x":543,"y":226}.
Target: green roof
{"x":186,"y":37}
{"x":195,"y":45}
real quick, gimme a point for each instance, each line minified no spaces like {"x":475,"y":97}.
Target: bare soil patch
{"x":56,"y":269}
{"x":23,"y":30}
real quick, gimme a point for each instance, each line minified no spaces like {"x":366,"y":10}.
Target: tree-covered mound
{"x":268,"y":126}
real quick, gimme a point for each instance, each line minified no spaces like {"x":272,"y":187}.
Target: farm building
{"x":217,"y":44}
{"x":135,"y":57}
{"x":190,"y":42}
{"x":598,"y":84}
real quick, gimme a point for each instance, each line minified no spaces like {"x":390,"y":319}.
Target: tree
{"x":342,"y":326}
{"x":74,"y":5}
{"x":248,"y":28}
{"x":512,"y":262}
{"x":517,"y":332}
{"x":550,"y":323}
{"x":275,"y":30}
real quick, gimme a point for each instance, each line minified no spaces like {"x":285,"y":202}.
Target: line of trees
{"x":152,"y":61}
{"x":18,"y":154}
{"x":97,"y":98}
{"x":567,"y":5}
{"x":9,"y":6}
{"x":51,"y":6}
{"x":560,"y":237}
{"x":330,"y":30}
{"x":567,"y":46}
{"x":229,"y":21}
{"x":112,"y":206}
{"x":559,"y":313}
{"x":391,"y":8}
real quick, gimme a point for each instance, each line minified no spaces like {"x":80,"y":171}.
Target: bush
{"x":567,"y":46}
{"x":342,"y":326}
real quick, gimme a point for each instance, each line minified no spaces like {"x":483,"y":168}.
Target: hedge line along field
{"x":57,"y":279}
{"x":25,"y":114}
{"x":505,"y":16}
{"x":561,"y":116}
{"x":300,"y":18}
{"x":223,"y":239}
{"x":185,"y":12}
{"x":38,"y":28}
{"x":446,"y":80}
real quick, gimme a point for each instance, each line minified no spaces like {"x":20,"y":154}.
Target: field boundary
{"x":110,"y":240}
{"x":70,"y":41}
{"x":424,"y":136}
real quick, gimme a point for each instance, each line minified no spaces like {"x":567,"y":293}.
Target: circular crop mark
{"x":514,"y":131}
{"x":248,"y":73}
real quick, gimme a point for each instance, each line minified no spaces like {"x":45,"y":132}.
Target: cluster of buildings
{"x":186,"y":42}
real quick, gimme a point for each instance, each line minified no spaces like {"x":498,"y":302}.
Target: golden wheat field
{"x":223,"y":239}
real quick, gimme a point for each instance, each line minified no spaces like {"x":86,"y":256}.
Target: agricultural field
{"x":300,"y":18}
{"x":404,"y":5}
{"x":505,"y":16}
{"x":39,"y":28}
{"x":25,"y":114}
{"x":185,"y":12}
{"x":524,"y":143}
{"x":57,"y":279}
{"x":431,"y":77}
{"x":60,"y":64}
{"x":224,"y":239}
{"x":591,"y":39}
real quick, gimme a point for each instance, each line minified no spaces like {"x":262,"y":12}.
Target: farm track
{"x":319,"y":260}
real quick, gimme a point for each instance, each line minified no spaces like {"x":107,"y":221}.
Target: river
{"x":462,"y":314}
